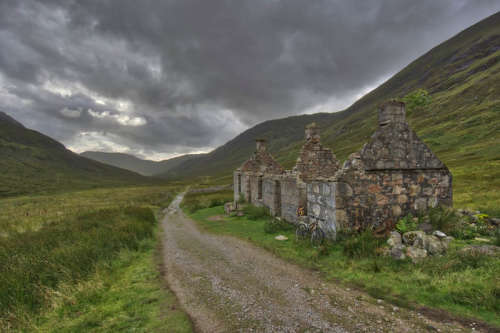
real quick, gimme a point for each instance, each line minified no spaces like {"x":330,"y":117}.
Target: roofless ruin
{"x":394,"y":174}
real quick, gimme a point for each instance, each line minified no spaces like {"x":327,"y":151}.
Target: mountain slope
{"x":461,"y":124}
{"x":34,"y":163}
{"x":132,"y":163}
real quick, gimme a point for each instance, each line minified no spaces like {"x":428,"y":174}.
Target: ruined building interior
{"x":394,"y":174}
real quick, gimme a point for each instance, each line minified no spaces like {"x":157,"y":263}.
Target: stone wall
{"x":321,"y":206}
{"x":254,"y":184}
{"x":271,"y":188}
{"x":314,"y":160}
{"x":394,"y":174}
{"x":245,"y":186}
{"x":293,"y":196}
{"x":237,"y":186}
{"x":377,"y":199}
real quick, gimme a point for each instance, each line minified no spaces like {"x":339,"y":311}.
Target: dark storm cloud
{"x":181,"y":75}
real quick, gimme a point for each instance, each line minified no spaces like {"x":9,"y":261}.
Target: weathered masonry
{"x":394,"y":174}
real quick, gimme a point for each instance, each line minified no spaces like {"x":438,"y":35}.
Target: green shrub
{"x":417,"y":100}
{"x":256,"y":213}
{"x":463,"y":229}
{"x":406,"y":224}
{"x":273,"y":226}
{"x":362,"y":245}
{"x":443,"y":218}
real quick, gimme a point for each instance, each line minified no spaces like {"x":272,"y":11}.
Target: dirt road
{"x":229,"y":285}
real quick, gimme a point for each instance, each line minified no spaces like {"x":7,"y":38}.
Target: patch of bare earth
{"x":216,"y":218}
{"x":229,"y":285}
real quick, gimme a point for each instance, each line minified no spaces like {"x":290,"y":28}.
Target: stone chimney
{"x":391,"y":112}
{"x":261,"y":145}
{"x":312,"y":132}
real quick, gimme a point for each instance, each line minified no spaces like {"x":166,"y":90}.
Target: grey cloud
{"x":182,"y":64}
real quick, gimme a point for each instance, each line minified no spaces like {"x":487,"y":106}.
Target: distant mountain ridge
{"x":35,"y":163}
{"x":461,"y":125}
{"x":133,"y":163}
{"x":8,"y":119}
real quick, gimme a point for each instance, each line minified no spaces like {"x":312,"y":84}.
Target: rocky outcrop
{"x":417,"y":245}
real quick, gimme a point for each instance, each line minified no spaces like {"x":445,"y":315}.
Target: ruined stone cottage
{"x":394,"y":174}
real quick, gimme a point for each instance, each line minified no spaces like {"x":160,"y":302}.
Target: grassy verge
{"x":195,"y":201}
{"x":126,"y":295}
{"x":85,"y":263}
{"x":465,"y":285}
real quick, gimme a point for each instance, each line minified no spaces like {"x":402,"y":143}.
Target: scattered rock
{"x":228,"y":208}
{"x":281,"y":238}
{"x":215,"y":218}
{"x":495,"y":221}
{"x":488,"y":250}
{"x":439,"y":234}
{"x":398,"y":252}
{"x":415,"y":253}
{"x":447,"y":240}
{"x":414,"y":238}
{"x":425,"y":227}
{"x":394,"y":239}
{"x":435,"y":246}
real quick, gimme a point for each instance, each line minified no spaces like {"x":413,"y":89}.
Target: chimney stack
{"x":261,"y":145}
{"x":312,"y":132}
{"x":391,"y":112}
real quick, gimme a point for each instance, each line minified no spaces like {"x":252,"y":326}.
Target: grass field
{"x":464,"y":285}
{"x":85,"y":261}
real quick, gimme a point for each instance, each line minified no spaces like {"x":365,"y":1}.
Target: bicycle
{"x":312,"y":228}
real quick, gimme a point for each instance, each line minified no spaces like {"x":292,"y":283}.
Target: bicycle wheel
{"x":317,"y":237}
{"x":302,"y":231}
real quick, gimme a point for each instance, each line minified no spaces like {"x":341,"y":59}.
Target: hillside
{"x":132,"y":163}
{"x":34,"y":163}
{"x":461,"y":125}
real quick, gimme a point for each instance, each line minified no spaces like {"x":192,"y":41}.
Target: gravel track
{"x":228,"y":285}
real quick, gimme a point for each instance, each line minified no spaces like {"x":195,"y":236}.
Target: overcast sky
{"x":167,"y":77}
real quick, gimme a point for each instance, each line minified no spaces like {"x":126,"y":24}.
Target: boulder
{"x":425,"y":227}
{"x":414,"y":238}
{"x":487,"y":250}
{"x":394,"y":239}
{"x":416,"y":253}
{"x":447,"y":240}
{"x":398,"y":252}
{"x":439,"y":234}
{"x":435,"y":246}
{"x":228,"y":208}
{"x":494,"y":221}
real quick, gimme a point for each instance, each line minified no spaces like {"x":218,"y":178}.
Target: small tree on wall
{"x":417,"y":100}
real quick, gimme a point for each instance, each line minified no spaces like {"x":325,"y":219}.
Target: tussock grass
{"x":83,"y":261}
{"x":29,"y":213}
{"x":34,"y":264}
{"x":126,"y":295}
{"x":196,"y":201}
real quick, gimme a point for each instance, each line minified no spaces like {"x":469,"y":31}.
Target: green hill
{"x":461,"y":124}
{"x":133,"y":163}
{"x":34,"y":163}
